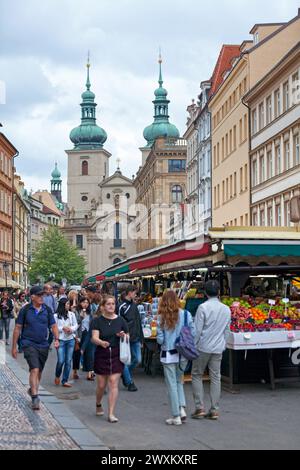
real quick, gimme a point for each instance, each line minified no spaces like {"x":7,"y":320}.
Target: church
{"x":101,"y":207}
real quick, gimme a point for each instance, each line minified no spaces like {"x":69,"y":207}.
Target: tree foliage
{"x":55,"y":255}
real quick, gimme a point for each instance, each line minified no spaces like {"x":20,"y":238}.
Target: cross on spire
{"x":88,"y":83}
{"x":118,"y":163}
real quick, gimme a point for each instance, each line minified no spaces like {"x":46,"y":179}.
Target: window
{"x":287,"y":214}
{"x":108,"y":196}
{"x":286,"y":96}
{"x":261,"y":113}
{"x":234,"y":185}
{"x":254,"y":219}
{"x":255,"y":39}
{"x":241,"y":180}
{"x":270,"y":216}
{"x":117,"y":260}
{"x":84,"y":168}
{"x":117,"y":239}
{"x":176,"y":166}
{"x":286,"y":155}
{"x":254,"y":172}
{"x":79,"y":241}
{"x":223,"y":191}
{"x":278,"y":159}
{"x":269,"y":109}
{"x":241,"y":221}
{"x":262,"y":169}
{"x":231,"y":187}
{"x":278,"y":215}
{"x":84,"y":198}
{"x":246,"y":176}
{"x":234,"y":137}
{"x":270,"y":164}
{"x":245,"y":126}
{"x":177,"y":195}
{"x":226,"y":140}
{"x":241,"y":131}
{"x":295,"y":90}
{"x":127,"y":195}
{"x":227,"y":189}
{"x":254,"y":121}
{"x":223,"y":149}
{"x":277,"y":103}
{"x":262,"y":217}
{"x":297,"y":149}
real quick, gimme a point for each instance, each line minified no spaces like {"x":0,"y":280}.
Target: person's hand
{"x":105,"y":344}
{"x":14,"y":353}
{"x":56,"y":344}
{"x":122,"y":334}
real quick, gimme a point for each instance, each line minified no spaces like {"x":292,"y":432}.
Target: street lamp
{"x":6,"y":271}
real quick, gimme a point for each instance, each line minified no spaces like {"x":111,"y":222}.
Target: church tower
{"x":56,"y":182}
{"x":88,"y":161}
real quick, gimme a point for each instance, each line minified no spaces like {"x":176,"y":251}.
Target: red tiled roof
{"x":224,"y":63}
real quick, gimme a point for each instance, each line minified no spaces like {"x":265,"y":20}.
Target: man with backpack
{"x":212,"y":326}
{"x":33,"y":323}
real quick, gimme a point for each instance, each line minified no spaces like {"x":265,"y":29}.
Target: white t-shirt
{"x":69,"y":322}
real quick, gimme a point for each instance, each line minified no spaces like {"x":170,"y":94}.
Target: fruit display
{"x":251,"y":315}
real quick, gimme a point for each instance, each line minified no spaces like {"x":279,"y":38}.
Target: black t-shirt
{"x":109,"y":328}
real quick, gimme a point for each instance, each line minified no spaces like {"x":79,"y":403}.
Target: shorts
{"x":36,"y":358}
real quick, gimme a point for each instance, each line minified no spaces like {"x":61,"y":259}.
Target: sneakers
{"x":113,"y":419}
{"x":214,"y":415}
{"x":35,"y":405}
{"x":99,"y":410}
{"x":132,"y":388}
{"x":174,"y":421}
{"x":198,"y":414}
{"x":123,"y":382}
{"x":182,"y":413}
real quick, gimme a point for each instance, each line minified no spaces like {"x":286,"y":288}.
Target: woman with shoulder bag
{"x":81,"y":315}
{"x":170,"y":323}
{"x":107,"y":330}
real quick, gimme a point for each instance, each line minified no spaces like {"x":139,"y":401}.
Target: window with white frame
{"x":254,"y":121}
{"x":254,"y":172}
{"x":277,"y":103}
{"x":270,"y":216}
{"x":261,"y":115}
{"x":270,"y":164}
{"x":262,"y":217}
{"x":262,"y":168}
{"x":278,"y":215}
{"x":295,"y":89}
{"x":297,"y":149}
{"x":287,"y":214}
{"x":286,"y":155}
{"x":254,"y":219}
{"x":286,"y":96}
{"x":278,"y":159}
{"x":269,"y":109}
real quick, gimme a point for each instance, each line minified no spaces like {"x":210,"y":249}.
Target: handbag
{"x":125,"y":351}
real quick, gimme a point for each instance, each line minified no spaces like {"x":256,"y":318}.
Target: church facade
{"x":100,"y":206}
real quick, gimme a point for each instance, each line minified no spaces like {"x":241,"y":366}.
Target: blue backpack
{"x":185,"y":344}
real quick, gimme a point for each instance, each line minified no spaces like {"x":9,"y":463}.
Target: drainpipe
{"x":13,"y":212}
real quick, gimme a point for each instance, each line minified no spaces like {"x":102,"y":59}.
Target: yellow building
{"x":230,"y":119}
{"x":275,"y":142}
{"x":21,"y":214}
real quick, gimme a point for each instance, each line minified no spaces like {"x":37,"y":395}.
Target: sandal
{"x":113,"y":419}
{"x":91,"y":379}
{"x":99,"y":410}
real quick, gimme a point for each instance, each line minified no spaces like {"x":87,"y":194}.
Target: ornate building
{"x":97,"y":219}
{"x":161,"y":180}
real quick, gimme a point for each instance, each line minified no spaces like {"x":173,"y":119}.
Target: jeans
{"x":213,"y":362}
{"x":64,"y":359}
{"x":174,"y":380}
{"x":136,"y":358}
{"x":4,"y":325}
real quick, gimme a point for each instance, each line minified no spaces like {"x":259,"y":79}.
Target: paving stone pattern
{"x":21,"y":428}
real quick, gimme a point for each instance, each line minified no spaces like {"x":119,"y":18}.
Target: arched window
{"x":177,"y":194}
{"x":84,"y":168}
{"x":117,"y":260}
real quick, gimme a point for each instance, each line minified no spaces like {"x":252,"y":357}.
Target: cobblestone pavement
{"x":24,"y":429}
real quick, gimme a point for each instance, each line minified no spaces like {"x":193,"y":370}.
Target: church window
{"x":176,"y":194}
{"x":79,"y":241}
{"x":117,"y":239}
{"x":108,"y":196}
{"x":117,"y":260}
{"x":85,"y":168}
{"x":127,"y":195}
{"x":84,"y":198}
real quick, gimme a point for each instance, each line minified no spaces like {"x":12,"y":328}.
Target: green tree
{"x":54,"y":254}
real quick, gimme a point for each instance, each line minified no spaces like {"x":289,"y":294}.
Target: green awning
{"x":262,"y":250}
{"x":92,"y":279}
{"x":121,"y":270}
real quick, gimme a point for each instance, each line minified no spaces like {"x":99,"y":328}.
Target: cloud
{"x":43,"y":55}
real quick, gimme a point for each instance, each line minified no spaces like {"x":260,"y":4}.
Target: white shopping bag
{"x":125,"y":353}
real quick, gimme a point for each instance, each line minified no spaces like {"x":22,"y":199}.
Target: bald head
{"x":47,"y":289}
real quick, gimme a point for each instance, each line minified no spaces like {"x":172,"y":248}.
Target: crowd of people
{"x":86,"y":328}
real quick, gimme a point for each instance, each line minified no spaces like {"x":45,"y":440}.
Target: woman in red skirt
{"x":106,"y":333}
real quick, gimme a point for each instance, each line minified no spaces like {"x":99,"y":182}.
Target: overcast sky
{"x":44,"y":46}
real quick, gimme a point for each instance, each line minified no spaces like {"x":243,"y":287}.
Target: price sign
{"x":236,"y":304}
{"x":272,"y":302}
{"x":285,"y":301}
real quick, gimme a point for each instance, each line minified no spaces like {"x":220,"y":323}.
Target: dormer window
{"x":255,"y":38}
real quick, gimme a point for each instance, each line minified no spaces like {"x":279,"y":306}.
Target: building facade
{"x":101,"y":235}
{"x":275,"y":142}
{"x":231,"y":120}
{"x":21,"y":229}
{"x":161,"y":180}
{"x":7,"y":154}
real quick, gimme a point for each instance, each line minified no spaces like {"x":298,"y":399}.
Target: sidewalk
{"x":53,"y":427}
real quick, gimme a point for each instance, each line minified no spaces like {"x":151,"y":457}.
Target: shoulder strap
{"x":185,"y":318}
{"x":26,"y":308}
{"x":49,"y":312}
